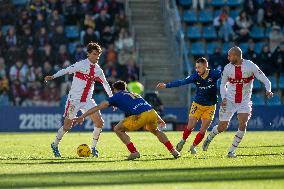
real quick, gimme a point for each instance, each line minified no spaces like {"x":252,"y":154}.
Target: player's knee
{"x":222,"y":126}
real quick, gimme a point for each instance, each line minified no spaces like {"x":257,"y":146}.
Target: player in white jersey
{"x":236,"y":89}
{"x":86,"y":73}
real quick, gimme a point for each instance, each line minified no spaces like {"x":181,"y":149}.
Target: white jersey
{"x":85,"y":75}
{"x":237,"y":81}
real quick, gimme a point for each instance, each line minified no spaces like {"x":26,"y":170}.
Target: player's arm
{"x":69,"y":70}
{"x":105,"y":83}
{"x":101,"y":106}
{"x":223,"y":86}
{"x":262,"y":77}
{"x":177,"y":83}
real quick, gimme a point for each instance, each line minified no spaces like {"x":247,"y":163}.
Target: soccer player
{"x":236,"y":89}
{"x":140,"y":114}
{"x":86,"y":73}
{"x":204,"y":104}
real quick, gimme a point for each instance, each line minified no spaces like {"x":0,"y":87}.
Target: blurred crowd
{"x":40,"y":37}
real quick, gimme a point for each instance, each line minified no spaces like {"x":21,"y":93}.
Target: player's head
{"x":94,"y":51}
{"x":234,"y":55}
{"x":119,"y":86}
{"x":201,"y":66}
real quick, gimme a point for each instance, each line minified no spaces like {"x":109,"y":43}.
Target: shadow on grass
{"x":142,"y":176}
{"x":264,"y":146}
{"x":256,"y":155}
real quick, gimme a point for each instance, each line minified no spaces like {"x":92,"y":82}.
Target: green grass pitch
{"x":26,"y":161}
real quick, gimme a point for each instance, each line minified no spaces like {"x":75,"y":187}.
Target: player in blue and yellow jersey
{"x":140,"y":114}
{"x":204,"y":104}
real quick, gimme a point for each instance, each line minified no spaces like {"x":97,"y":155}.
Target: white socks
{"x":213,"y":133}
{"x":59,"y":135}
{"x":96,"y":134}
{"x":237,"y":139}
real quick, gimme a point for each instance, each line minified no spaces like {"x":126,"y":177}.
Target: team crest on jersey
{"x":210,"y":80}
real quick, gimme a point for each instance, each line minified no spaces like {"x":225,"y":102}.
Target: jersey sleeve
{"x":103,"y":80}
{"x":261,"y":77}
{"x":177,"y":83}
{"x":69,"y":70}
{"x":224,"y":80}
{"x":112,"y":100}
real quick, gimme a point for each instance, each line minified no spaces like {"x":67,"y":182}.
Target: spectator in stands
{"x":47,"y":54}
{"x":225,"y":24}
{"x":275,"y":38}
{"x":243,"y":24}
{"x":59,"y":37}
{"x":30,"y":57}
{"x":65,"y":80}
{"x":19,"y":92}
{"x":34,"y":95}
{"x":51,"y":95}
{"x":254,"y":10}
{"x":115,"y":8}
{"x":41,"y":38}
{"x":3,"y":69}
{"x":39,"y":23}
{"x":132,"y":69}
{"x":62,"y":56}
{"x":79,"y":53}
{"x":54,"y":5}
{"x":102,"y":21}
{"x":3,"y":45}
{"x":265,"y":61}
{"x":89,"y":36}
{"x":23,"y":22}
{"x":11,"y":38}
{"x":107,"y":36}
{"x":111,"y":71}
{"x":121,"y":21}
{"x":270,"y":12}
{"x":111,"y":54}
{"x":38,"y":6}
{"x":200,"y":2}
{"x":217,"y":60}
{"x":100,"y":5}
{"x":47,"y":68}
{"x":84,"y":8}
{"x":124,"y":41}
{"x":251,"y":54}
{"x":54,"y":20}
{"x":69,"y":9}
{"x":19,"y":71}
{"x":26,"y":38}
{"x":4,"y":97}
{"x":89,"y":22}
{"x":278,"y":59}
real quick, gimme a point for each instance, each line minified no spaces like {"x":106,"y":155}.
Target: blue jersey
{"x":130,"y":103}
{"x":206,"y":93}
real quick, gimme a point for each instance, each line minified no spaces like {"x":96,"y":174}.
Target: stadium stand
{"x":39,"y":37}
{"x":254,"y":25}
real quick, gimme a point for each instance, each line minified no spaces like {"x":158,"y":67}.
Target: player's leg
{"x":200,"y":135}
{"x":194,"y":115}
{"x":206,"y":119}
{"x":120,"y":131}
{"x":225,"y":115}
{"x":70,"y":112}
{"x":164,"y":139}
{"x":243,"y":119}
{"x":99,"y":123}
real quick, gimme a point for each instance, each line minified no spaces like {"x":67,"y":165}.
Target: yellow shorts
{"x":148,"y":119}
{"x":204,"y":112}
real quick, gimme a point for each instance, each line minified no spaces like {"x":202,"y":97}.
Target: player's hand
{"x":161,"y":86}
{"x":48,"y":78}
{"x":78,"y":120}
{"x":269,"y":94}
{"x":224,"y":103}
{"x":162,"y":123}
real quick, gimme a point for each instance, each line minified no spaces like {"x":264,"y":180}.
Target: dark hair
{"x":202,"y":60}
{"x":94,"y":46}
{"x":119,"y":85}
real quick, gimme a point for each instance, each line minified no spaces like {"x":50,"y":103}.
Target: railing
{"x":175,"y":35}
{"x":128,"y":12}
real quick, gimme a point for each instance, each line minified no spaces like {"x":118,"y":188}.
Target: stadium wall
{"x":24,"y":119}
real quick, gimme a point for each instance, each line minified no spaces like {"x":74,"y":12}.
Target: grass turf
{"x":26,"y":161}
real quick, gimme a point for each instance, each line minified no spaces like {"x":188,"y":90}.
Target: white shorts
{"x":232,"y":108}
{"x":73,"y":106}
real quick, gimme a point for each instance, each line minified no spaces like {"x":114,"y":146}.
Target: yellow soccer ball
{"x":84,"y":150}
